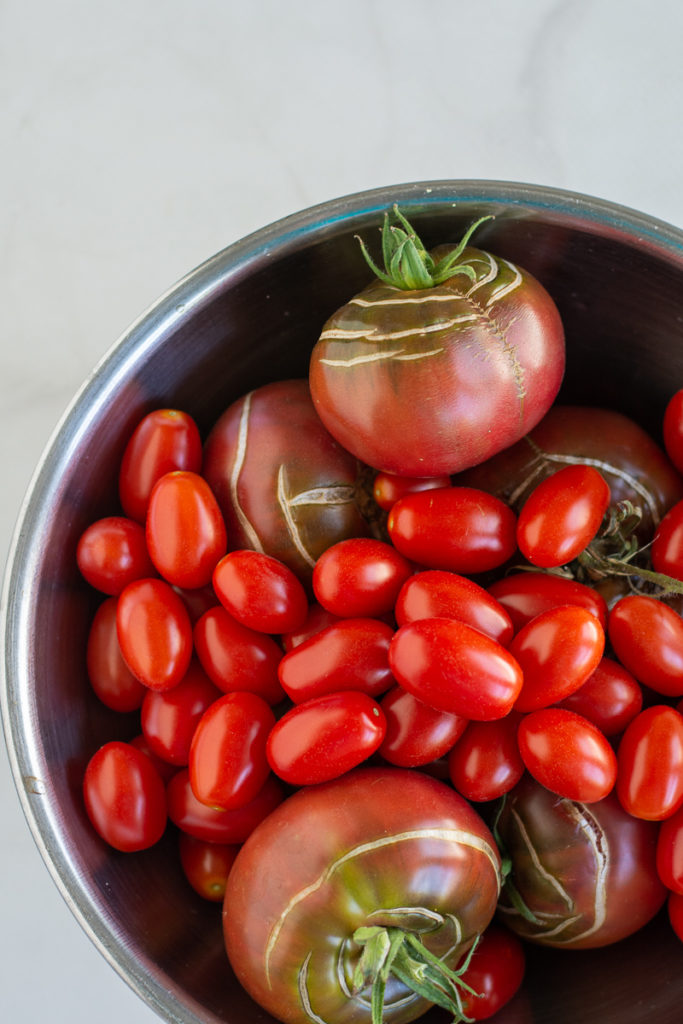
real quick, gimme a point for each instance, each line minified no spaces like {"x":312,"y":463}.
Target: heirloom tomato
{"x":125,"y":797}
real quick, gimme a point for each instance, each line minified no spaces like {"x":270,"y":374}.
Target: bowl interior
{"x":250,"y":315}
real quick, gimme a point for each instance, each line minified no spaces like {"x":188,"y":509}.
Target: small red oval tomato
{"x":317,"y":619}
{"x":557,"y":652}
{"x":415,"y":733}
{"x":125,"y":797}
{"x":457,"y":528}
{"x":109,"y":675}
{"x":260,"y":591}
{"x":169,"y":718}
{"x":567,"y":754}
{"x":164,"y":440}
{"x":650,"y":764}
{"x":610,"y":698}
{"x":647,"y":637}
{"x":325,"y":737}
{"x":236,"y":657}
{"x":436,"y":593}
{"x":666,"y":550}
{"x":206,"y":865}
{"x":112,"y":552}
{"x":495,"y":973}
{"x":455,"y":668}
{"x":165,"y":770}
{"x":227,"y":763}
{"x":360,"y":577}
{"x":387,"y":488}
{"x":185,"y":531}
{"x":672,"y":429}
{"x":524,"y":595}
{"x":154,"y":633}
{"x":215,"y":825}
{"x":485,"y":763}
{"x":670,"y":852}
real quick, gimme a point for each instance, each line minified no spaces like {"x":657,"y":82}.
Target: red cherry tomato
{"x":228,"y":764}
{"x":109,"y":676}
{"x":317,"y":619}
{"x":650,"y":764}
{"x":557,"y":652}
{"x":670,"y":852}
{"x":154,"y":633}
{"x":125,"y":797}
{"x":666,"y":550}
{"x":647,"y":637}
{"x":675,"y":911}
{"x":360,"y":577}
{"x":436,"y":593}
{"x":457,"y":528}
{"x":165,"y":770}
{"x":610,"y":698}
{"x":215,"y":825}
{"x":236,"y":657}
{"x":169,"y":718}
{"x":524,"y":595}
{"x":112,"y":552}
{"x":387,"y":488}
{"x":415,"y":733}
{"x":260,"y":592}
{"x":198,"y":600}
{"x":206,"y":865}
{"x":185,"y":531}
{"x":567,"y":754}
{"x":455,"y":668}
{"x":164,"y":440}
{"x":495,"y":973}
{"x":562,"y":515}
{"x":325,"y":737}
{"x":672,"y":429}
{"x":485,"y":763}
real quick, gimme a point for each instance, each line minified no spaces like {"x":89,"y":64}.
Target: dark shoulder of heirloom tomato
{"x":445,"y":359}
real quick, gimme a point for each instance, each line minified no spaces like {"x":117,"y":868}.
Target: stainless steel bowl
{"x":248,"y":315}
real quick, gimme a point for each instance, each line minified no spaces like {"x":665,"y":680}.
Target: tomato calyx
{"x":391,"y":950}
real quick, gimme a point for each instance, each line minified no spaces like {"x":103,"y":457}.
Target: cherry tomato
{"x":650,"y":764}
{"x":557,"y":652}
{"x":154,"y":633}
{"x":610,"y":698}
{"x":112,"y":552}
{"x":351,"y":654}
{"x":359,"y":577}
{"x":387,"y":488}
{"x":109,"y":675}
{"x":164,"y":440}
{"x":165,"y":770}
{"x":325,"y":737}
{"x":260,"y":592}
{"x":495,"y":972}
{"x":524,"y":595}
{"x":670,"y":852}
{"x":169,"y":718}
{"x":436,"y":593}
{"x":215,"y":825}
{"x":647,"y":637}
{"x":317,"y":619}
{"x":675,"y":912}
{"x":124,"y":797}
{"x":672,"y":429}
{"x":485,"y":762}
{"x":666,"y":551}
{"x":227,"y":763}
{"x":206,"y":865}
{"x":455,"y":668}
{"x":458,"y":528}
{"x":198,"y":600}
{"x":415,"y":733}
{"x":567,"y":754}
{"x":236,"y":657}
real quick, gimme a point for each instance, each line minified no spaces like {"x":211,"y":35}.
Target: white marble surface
{"x":141,"y":136}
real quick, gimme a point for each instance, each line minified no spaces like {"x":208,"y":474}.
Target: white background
{"x":140,"y":137}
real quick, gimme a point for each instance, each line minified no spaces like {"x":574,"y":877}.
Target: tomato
{"x":164,"y":440}
{"x":388,"y":847}
{"x":154,"y":633}
{"x":495,"y":972}
{"x":610,"y":698}
{"x":211,"y":823}
{"x":650,"y":764}
{"x":675,"y":912}
{"x":227,"y":762}
{"x":415,"y":733}
{"x":485,"y":762}
{"x":124,"y":797}
{"x":557,"y":652}
{"x":169,"y":718}
{"x":165,"y":770}
{"x":562,"y":515}
{"x":185,"y":531}
{"x":387,"y":488}
{"x":455,"y":668}
{"x":317,"y":619}
{"x":324,"y":737}
{"x":567,"y":754}
{"x":436,"y":593}
{"x":360,"y":576}
{"x":206,"y":865}
{"x":647,"y":637}
{"x":260,"y":592}
{"x":236,"y":657}
{"x":581,"y":875}
{"x":670,"y":851}
{"x":524,"y":595}
{"x":112,"y":552}
{"x":351,"y":654}
{"x":672,"y":429}
{"x":109,"y":675}
{"x":458,"y":528}
{"x":666,"y":551}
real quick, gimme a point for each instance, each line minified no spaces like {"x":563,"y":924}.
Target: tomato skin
{"x":112,"y":552}
{"x":670,"y":852}
{"x":458,"y":528}
{"x":215,"y":825}
{"x":260,"y":592}
{"x":206,"y":865}
{"x":360,"y":577}
{"x":109,"y":675}
{"x":524,"y":595}
{"x":154,"y":633}
{"x":672,"y":429}
{"x":666,"y":551}
{"x":164,"y":440}
{"x":227,"y":762}
{"x":317,"y":619}
{"x":415,"y":733}
{"x":124,"y":797}
{"x":485,"y":762}
{"x":236,"y":657}
{"x":610,"y":698}
{"x":435,"y":593}
{"x":675,"y":912}
{"x":495,"y":972}
{"x":647,"y":637}
{"x":387,"y":488}
{"x":567,"y":754}
{"x":169,"y":718}
{"x":650,"y":764}
{"x":455,"y":668}
{"x":557,"y":652}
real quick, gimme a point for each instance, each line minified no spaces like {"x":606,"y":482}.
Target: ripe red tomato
{"x":260,"y":592}
{"x":211,"y":823}
{"x":124,"y":797}
{"x":324,"y":737}
{"x":650,"y":764}
{"x":165,"y":770}
{"x":524,"y":595}
{"x":455,"y":668}
{"x":317,"y":619}
{"x":112,"y":552}
{"x":610,"y":698}
{"x":109,"y":675}
{"x":238,"y":658}
{"x":672,"y":429}
{"x":567,"y":754}
{"x":154,"y":633}
{"x":485,"y":762}
{"x":169,"y":718}
{"x":670,"y":852}
{"x":458,"y":528}
{"x":647,"y":637}
{"x":415,"y":733}
{"x":666,"y":551}
{"x":436,"y":593}
{"x":227,"y":762}
{"x":359,"y":577}
{"x":495,"y":972}
{"x":387,"y":488}
{"x":206,"y":865}
{"x":164,"y":440}
{"x":562,"y":515}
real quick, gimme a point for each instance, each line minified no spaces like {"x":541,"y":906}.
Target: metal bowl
{"x":248,"y":315}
